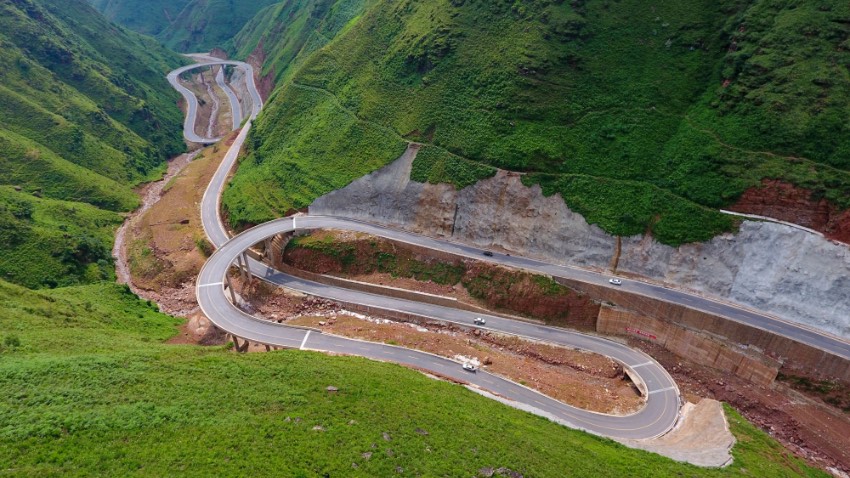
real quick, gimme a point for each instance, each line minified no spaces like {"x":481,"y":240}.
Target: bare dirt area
{"x":701,"y":437}
{"x":585,"y":380}
{"x":164,"y":246}
{"x":805,"y":426}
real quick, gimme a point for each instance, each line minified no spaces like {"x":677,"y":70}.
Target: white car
{"x":469,"y":367}
{"x":615,"y":281}
{"x":479,"y":321}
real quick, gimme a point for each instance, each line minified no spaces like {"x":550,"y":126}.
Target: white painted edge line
{"x":211,"y":284}
{"x":306,"y":336}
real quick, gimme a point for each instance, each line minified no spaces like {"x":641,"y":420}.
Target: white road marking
{"x":307,"y":335}
{"x":661,"y":390}
{"x":211,"y":284}
{"x":642,"y":365}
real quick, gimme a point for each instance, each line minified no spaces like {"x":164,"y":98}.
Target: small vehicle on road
{"x":469,"y":367}
{"x":615,"y":281}
{"x":479,"y":321}
{"x":488,"y":253}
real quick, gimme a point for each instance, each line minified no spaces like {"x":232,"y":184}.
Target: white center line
{"x":211,"y":284}
{"x":642,"y":365}
{"x":305,"y":340}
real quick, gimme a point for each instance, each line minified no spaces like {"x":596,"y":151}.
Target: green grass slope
{"x":85,"y":115}
{"x":183,"y":25}
{"x":86,"y":89}
{"x":89,"y":389}
{"x":206,"y":24}
{"x":49,"y":243}
{"x":645,"y":118}
{"x":149,"y":17}
{"x":290,"y":31}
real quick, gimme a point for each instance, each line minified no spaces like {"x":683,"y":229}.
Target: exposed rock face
{"x":775,"y":268}
{"x":790,"y":203}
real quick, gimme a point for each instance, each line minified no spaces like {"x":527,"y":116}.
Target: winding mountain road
{"x":657,"y":416}
{"x":662,"y":406}
{"x":192,"y":100}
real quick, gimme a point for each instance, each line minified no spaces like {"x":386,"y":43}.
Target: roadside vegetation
{"x":645,"y":118}
{"x":85,"y":115}
{"x":90,"y":389}
{"x":490,"y":286}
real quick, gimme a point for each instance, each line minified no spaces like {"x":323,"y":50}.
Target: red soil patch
{"x":786,"y":202}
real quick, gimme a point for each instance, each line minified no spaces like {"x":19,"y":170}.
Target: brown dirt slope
{"x":166,"y":246}
{"x":585,"y":380}
{"x":786,"y":202}
{"x":375,"y":260}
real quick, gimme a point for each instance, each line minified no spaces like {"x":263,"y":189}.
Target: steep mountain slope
{"x":85,"y":114}
{"x":149,"y":17}
{"x":206,"y":24}
{"x":646,"y":118}
{"x":286,"y":33}
{"x":183,"y":25}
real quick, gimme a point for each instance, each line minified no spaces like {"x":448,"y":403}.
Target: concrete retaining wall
{"x":795,"y":357}
{"x":689,"y":344}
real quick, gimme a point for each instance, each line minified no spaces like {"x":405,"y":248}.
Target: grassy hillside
{"x":183,"y":25}
{"x":149,"y":17}
{"x":206,"y":24}
{"x":85,"y":115}
{"x":49,"y":243}
{"x":91,"y":390}
{"x":644,"y":117}
{"x":291,"y":30}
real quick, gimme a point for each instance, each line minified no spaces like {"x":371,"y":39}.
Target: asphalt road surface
{"x":655,"y":418}
{"x":235,"y":107}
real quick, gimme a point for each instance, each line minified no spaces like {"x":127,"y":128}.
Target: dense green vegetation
{"x":298,"y":156}
{"x":666,"y":109}
{"x":289,"y":31}
{"x":183,"y":25}
{"x":89,"y":389}
{"x":49,"y":243}
{"x":149,"y":17}
{"x":436,"y":165}
{"x":85,"y":115}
